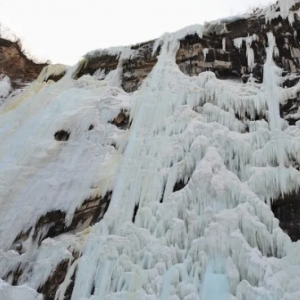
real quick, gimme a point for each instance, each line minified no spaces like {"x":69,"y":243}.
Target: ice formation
{"x":214,"y":239}
{"x":8,"y":292}
{"x":5,"y":88}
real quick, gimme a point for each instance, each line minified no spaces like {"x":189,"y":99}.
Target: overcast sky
{"x":64,"y":30}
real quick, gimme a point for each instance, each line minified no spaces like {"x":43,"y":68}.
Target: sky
{"x":64,"y":30}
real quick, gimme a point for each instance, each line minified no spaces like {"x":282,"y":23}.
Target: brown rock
{"x":16,"y":65}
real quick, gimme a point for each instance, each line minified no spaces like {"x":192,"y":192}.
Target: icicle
{"x":224,"y":44}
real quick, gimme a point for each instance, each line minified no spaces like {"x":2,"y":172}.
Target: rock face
{"x":15,"y":65}
{"x":287,"y":210}
{"x":235,"y":51}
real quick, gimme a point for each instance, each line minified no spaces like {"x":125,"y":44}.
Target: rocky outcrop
{"x":14,"y":63}
{"x":136,"y":69}
{"x":235,"y":52}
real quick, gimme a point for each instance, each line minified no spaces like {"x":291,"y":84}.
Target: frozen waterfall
{"x":214,"y":238}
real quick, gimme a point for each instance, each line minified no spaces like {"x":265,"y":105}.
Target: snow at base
{"x":214,"y":239}
{"x":5,"y":88}
{"x":8,"y":292}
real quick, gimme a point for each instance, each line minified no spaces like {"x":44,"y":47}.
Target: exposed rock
{"x":57,"y":277}
{"x":15,"y":64}
{"x":227,"y":54}
{"x":51,"y":285}
{"x":122,"y":120}
{"x":287,"y":210}
{"x":136,"y":69}
{"x":15,"y":275}
{"x":106,"y":63}
{"x":53,"y":223}
{"x":62,"y":135}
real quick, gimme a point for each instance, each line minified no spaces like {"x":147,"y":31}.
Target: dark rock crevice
{"x":287,"y":210}
{"x":289,"y":111}
{"x":136,"y":208}
{"x":179,"y":185}
{"x":16,"y":65}
{"x":62,"y":135}
{"x":122,"y":120}
{"x":90,"y":212}
{"x":91,"y":127}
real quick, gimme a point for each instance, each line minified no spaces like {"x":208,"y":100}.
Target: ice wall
{"x":213,"y":238}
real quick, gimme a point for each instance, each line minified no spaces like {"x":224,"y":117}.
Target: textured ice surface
{"x":8,"y":292}
{"x":216,"y":238}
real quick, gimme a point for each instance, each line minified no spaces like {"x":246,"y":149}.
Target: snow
{"x":216,"y":238}
{"x":8,"y":292}
{"x":5,"y":88}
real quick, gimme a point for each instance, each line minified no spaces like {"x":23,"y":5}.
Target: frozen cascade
{"x":213,"y":239}
{"x":164,"y":237}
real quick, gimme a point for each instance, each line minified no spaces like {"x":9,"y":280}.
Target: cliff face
{"x":153,"y":171}
{"x":15,"y":65}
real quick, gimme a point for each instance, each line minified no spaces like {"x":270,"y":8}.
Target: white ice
{"x":5,"y":88}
